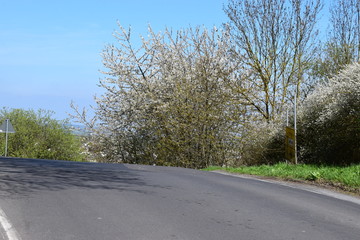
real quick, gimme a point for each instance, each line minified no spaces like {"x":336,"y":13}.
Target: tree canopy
{"x":169,"y":102}
{"x":274,"y":42}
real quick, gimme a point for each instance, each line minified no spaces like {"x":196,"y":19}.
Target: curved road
{"x":50,"y":200}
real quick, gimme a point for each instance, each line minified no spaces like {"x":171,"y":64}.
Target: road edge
{"x":302,"y":186}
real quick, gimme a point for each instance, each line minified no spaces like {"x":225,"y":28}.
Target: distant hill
{"x":78,"y":129}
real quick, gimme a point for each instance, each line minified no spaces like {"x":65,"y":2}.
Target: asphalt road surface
{"x":45,"y":200}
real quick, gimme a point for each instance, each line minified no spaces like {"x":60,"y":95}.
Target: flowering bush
{"x":169,"y":101}
{"x":263,"y":143}
{"x":328,"y":128}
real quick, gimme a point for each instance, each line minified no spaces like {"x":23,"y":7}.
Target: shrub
{"x":39,"y":136}
{"x":328,"y":124}
{"x":263,"y":143}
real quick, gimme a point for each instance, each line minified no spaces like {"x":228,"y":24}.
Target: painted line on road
{"x":309,"y":188}
{"x":10,"y":231}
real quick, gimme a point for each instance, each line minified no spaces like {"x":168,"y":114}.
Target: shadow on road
{"x":21,"y":177}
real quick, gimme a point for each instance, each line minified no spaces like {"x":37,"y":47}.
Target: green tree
{"x":38,"y":135}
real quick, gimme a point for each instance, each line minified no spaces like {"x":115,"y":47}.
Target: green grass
{"x":346,"y":178}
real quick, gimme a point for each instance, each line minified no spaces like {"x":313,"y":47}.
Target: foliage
{"x":37,"y":135}
{"x":328,"y":130}
{"x":329,"y":121}
{"x":168,"y":102}
{"x":263,"y":143}
{"x":345,"y":177}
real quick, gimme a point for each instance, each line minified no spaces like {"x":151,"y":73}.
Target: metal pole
{"x":6,"y":136}
{"x":295,"y":142}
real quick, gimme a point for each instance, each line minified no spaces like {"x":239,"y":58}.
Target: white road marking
{"x":10,"y":231}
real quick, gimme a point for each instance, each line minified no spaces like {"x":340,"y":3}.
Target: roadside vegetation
{"x":202,"y":97}
{"x":38,"y":135}
{"x":344,"y":178}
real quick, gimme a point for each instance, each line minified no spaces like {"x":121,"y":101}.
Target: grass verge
{"x":342,"y":178}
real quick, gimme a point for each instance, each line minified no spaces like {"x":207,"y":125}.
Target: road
{"x":58,"y":200}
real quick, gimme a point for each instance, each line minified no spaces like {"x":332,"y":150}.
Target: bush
{"x":169,"y":102}
{"x":263,"y":143}
{"x":39,"y":136}
{"x":328,"y":124}
{"x":328,"y":127}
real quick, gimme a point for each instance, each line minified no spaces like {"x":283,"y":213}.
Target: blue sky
{"x":50,"y":50}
